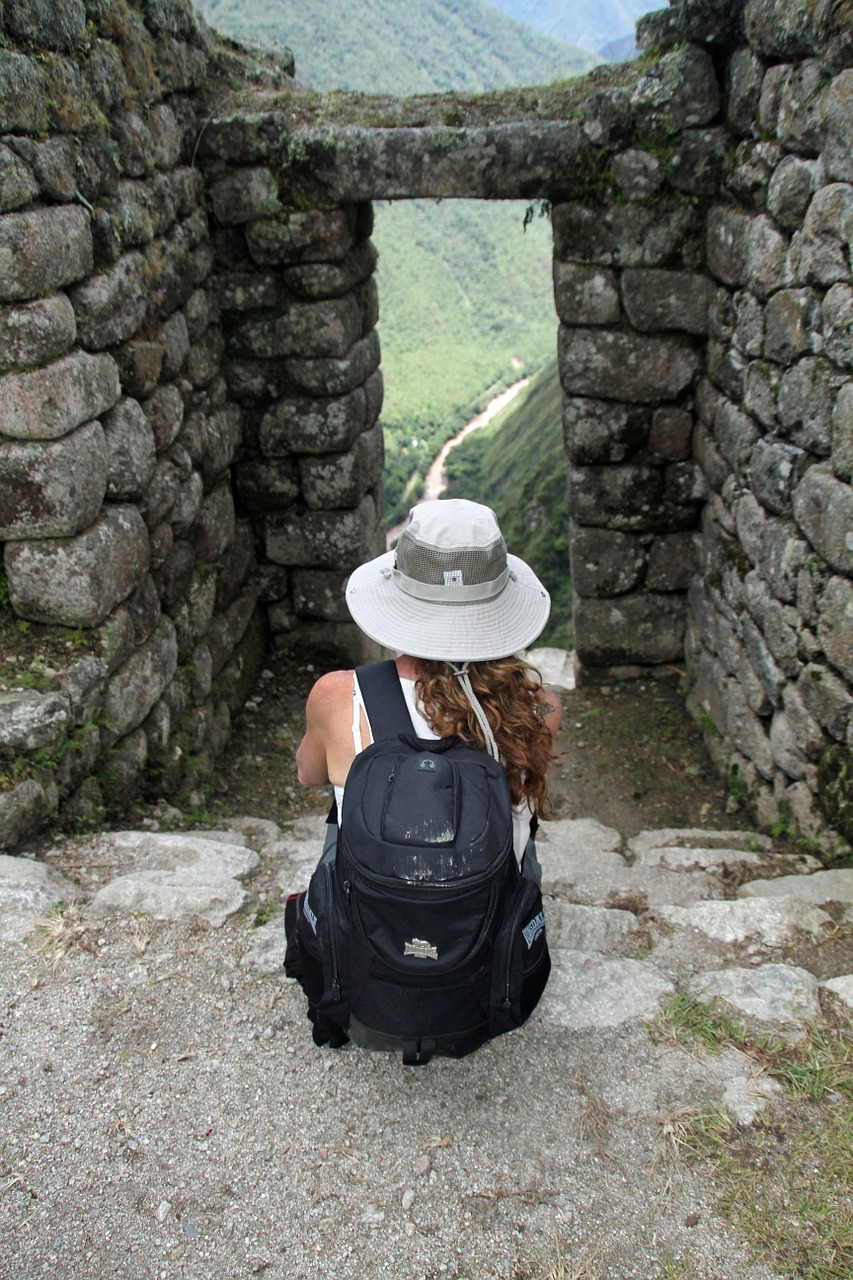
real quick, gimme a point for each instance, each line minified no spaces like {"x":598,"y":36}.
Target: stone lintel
{"x":498,"y":162}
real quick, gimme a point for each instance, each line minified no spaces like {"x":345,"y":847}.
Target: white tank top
{"x":521,"y":814}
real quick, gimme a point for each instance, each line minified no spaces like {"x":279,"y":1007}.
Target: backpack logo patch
{"x":421,"y":949}
{"x":532,"y":930}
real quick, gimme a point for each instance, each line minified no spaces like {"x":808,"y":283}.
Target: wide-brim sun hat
{"x":449,"y":590}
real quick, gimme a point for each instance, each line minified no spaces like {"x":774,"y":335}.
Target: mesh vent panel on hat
{"x":450,"y":566}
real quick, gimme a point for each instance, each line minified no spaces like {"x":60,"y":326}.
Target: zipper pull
{"x":347,"y":888}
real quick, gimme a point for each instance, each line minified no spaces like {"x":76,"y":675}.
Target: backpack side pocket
{"x":522,"y":962}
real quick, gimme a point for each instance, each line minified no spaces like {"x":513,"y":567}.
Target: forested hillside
{"x":516,"y":465}
{"x":592,"y":24}
{"x":419,"y":46}
{"x":465,"y":291}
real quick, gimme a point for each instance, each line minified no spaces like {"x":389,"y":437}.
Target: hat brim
{"x":472,"y":631}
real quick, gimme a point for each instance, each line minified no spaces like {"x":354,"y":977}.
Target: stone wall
{"x":190,"y":387}
{"x":130,"y":632}
{"x":770,"y":636}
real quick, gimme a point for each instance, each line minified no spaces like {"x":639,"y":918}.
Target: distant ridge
{"x":420,"y":46}
{"x":591,"y":24}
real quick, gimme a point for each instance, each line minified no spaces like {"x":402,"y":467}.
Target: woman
{"x":456,"y":607}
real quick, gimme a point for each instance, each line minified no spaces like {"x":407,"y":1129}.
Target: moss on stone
{"x":835,"y":789}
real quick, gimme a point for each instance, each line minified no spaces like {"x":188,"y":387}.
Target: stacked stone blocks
{"x":770,"y":636}
{"x":299,"y":304}
{"x":116,"y":428}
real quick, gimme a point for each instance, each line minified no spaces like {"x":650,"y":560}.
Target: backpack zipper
{"x":463,"y":884}
{"x":333,"y":941}
{"x":516,"y":921}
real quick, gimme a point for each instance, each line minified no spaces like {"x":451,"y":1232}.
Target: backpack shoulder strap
{"x":384,"y":700}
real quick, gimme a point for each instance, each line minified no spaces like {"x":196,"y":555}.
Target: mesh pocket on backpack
{"x":420,"y":1011}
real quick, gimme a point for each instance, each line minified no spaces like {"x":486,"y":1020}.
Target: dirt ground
{"x":631,"y":756}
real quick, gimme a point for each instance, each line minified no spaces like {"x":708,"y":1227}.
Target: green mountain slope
{"x":418,"y":46}
{"x":517,"y":466}
{"x":465,"y":293}
{"x":467,"y":307}
{"x":589,"y":23}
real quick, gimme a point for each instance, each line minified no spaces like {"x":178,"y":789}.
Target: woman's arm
{"x":326,"y":751}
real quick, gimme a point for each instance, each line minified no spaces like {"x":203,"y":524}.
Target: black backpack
{"x":420,"y":934}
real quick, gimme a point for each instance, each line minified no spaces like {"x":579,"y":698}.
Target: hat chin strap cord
{"x":464,"y":679}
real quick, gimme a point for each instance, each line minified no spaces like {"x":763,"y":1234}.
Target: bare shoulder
{"x":332,"y":691}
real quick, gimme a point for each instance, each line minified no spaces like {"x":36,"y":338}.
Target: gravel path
{"x":166,"y":1113}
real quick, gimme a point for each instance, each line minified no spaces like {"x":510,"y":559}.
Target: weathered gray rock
{"x":36,"y":332}
{"x":51,"y":401}
{"x":24,"y":808}
{"x":824,"y":247}
{"x":47,"y":23}
{"x":605,"y":562}
{"x":581,"y":863}
{"x":823,"y":509}
{"x":164,"y":410}
{"x":339,"y":481}
{"x":805,"y":401}
{"x":306,"y":330}
{"x":332,"y":279}
{"x":596,"y":431}
{"x":213,"y":531}
{"x":52,"y":489}
{"x":83,"y":683}
{"x":78,"y":581}
{"x":174,"y":895}
{"x":336,"y":377}
{"x":265,"y":955}
{"x":42,"y":250}
{"x":623,"y":235}
{"x":835,"y":109}
{"x":820,"y":888}
{"x":23,"y":94}
{"x":790,"y":327}
{"x":601,"y":362}
{"x":110,"y":306}
{"x":493,"y":161}
{"x":323,"y":540}
{"x":174,"y":338}
{"x":778,"y":28}
{"x":130,"y":448}
{"x":245,"y":196}
{"x":676,"y":93}
{"x":753,"y":923}
{"x":841,"y":988}
{"x":319,"y":593}
{"x":18,"y":185}
{"x":771,"y":993}
{"x":31,"y":721}
{"x":790,"y":191}
{"x":646,"y":628}
{"x":842,"y":434}
{"x":585,"y":294}
{"x":138,"y":684}
{"x":585,"y":990}
{"x":306,"y":425}
{"x":28,"y":891}
{"x":837,"y":313}
{"x":580,"y":928}
{"x":666,"y":300}
{"x":745,"y":74}
{"x":313,"y":235}
{"x":775,"y":471}
{"x":193,"y":613}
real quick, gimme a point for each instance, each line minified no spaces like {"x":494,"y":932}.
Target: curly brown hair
{"x":510,"y":693}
